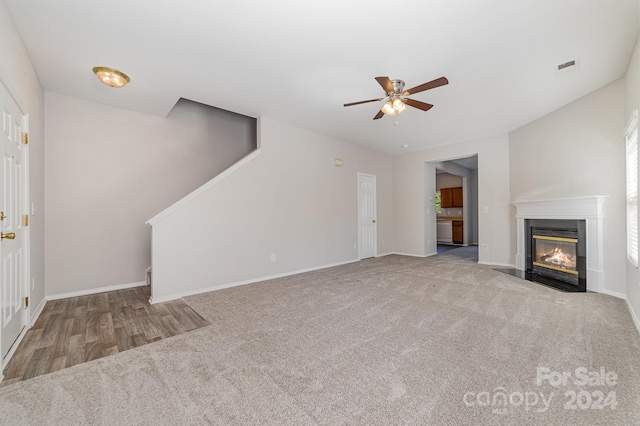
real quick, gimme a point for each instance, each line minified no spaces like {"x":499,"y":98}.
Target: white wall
{"x":473,"y":206}
{"x":290,"y":200}
{"x":496,"y":227}
{"x":631,"y":102}
{"x":447,"y":180}
{"x":109,"y":170}
{"x":578,"y":150}
{"x":18,"y":75}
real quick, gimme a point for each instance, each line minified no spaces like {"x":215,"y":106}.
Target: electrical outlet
{"x":273,"y":257}
{"x":486,"y":210}
{"x":485,"y":247}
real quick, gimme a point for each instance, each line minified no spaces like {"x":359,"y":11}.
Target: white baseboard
{"x":504,"y":265}
{"x":95,"y":290}
{"x":385,"y":254}
{"x":615,"y":294}
{"x":33,"y":317}
{"x":409,"y":254}
{"x":633,"y":315}
{"x":13,"y":350}
{"x":36,"y":312}
{"x":154,"y":300}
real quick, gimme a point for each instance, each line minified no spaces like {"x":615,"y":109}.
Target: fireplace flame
{"x":558,"y":258}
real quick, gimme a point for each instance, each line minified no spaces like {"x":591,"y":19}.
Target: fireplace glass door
{"x":556,"y":253}
{"x":555,"y":256}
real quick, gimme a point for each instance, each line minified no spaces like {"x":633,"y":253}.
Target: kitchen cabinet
{"x":457,"y":230}
{"x":451,"y":197}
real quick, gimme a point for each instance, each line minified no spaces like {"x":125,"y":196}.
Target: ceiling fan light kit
{"x":396,"y":100}
{"x":394,"y":107}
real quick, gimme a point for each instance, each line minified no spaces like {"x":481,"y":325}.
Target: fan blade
{"x":426,"y":86}
{"x":363,"y":102}
{"x":378,"y":115}
{"x":417,"y":104}
{"x":386,"y":84}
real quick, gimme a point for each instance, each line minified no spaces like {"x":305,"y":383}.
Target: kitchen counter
{"x":448,"y":218}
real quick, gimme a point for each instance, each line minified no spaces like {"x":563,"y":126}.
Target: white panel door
{"x":367,"y":226}
{"x":12,"y":206}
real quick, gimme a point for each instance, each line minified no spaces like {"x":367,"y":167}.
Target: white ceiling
{"x":298,"y":61}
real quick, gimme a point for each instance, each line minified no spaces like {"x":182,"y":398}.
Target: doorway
{"x":452,"y":194}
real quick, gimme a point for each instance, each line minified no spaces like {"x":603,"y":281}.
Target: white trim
{"x":413,"y":255}
{"x":13,"y":349}
{"x":633,"y":315}
{"x":36,"y":313}
{"x":195,"y":194}
{"x":27,"y":229}
{"x":614,"y":294}
{"x":154,"y":300}
{"x":96,"y":290}
{"x":504,"y":265}
{"x":632,"y":122}
{"x":385,"y":254}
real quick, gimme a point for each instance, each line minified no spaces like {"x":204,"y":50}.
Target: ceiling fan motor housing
{"x":398,"y":87}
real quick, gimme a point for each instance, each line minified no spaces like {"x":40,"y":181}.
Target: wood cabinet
{"x":458,"y":234}
{"x":451,"y":197}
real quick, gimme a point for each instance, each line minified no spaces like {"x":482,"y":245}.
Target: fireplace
{"x":589,"y":211}
{"x":556,"y":253}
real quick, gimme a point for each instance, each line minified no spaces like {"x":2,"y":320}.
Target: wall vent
{"x":567,"y":67}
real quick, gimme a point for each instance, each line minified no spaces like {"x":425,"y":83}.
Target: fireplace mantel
{"x":581,"y":208}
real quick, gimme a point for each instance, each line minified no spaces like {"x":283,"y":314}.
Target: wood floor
{"x":80,"y":329}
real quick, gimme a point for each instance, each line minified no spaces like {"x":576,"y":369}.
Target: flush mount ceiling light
{"x":111,"y":77}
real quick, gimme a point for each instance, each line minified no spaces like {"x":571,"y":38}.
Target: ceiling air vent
{"x":567,"y":67}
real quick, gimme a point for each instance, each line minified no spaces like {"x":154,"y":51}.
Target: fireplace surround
{"x":587,"y":209}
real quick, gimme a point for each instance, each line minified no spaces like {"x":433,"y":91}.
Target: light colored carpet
{"x":393,"y":340}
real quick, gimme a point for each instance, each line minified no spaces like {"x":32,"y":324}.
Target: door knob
{"x":374,"y":221}
{"x":8,"y":236}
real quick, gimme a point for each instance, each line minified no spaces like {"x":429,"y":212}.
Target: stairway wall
{"x":109,"y":170}
{"x":289,"y":200}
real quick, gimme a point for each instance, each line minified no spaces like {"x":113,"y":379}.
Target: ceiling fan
{"x":396,"y":100}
